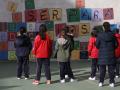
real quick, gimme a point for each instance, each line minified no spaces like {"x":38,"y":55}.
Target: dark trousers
{"x":111,"y":73}
{"x":94,"y":67}
{"x":65,"y":68}
{"x":23,"y":65}
{"x":117,"y":66}
{"x":117,"y":69}
{"x":46,"y":63}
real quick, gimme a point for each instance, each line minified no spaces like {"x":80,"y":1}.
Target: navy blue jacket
{"x":23,"y":45}
{"x":106,"y":43}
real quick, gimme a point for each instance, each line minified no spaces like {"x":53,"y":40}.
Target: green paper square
{"x":29,"y":4}
{"x":11,"y":55}
{"x":76,"y":45}
{"x":50,"y":25}
{"x":73,"y":15}
{"x":11,"y":27}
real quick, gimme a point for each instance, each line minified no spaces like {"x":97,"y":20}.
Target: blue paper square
{"x":85,"y":14}
{"x":3,"y":55}
{"x":19,"y":25}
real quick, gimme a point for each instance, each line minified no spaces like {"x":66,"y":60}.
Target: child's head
{"x":62,"y":33}
{"x":106,"y":26}
{"x":42,"y":28}
{"x":66,"y":29}
{"x":94,"y":32}
{"x":42,"y":31}
{"x":22,"y":30}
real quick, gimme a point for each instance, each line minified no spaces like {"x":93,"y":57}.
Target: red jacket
{"x":117,"y":51}
{"x":92,"y":50}
{"x":42,"y":48}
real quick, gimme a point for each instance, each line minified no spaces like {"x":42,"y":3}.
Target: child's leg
{"x":62,"y":69}
{"x":93,"y":68}
{"x":117,"y":69}
{"x":47,"y":69}
{"x":102,"y":73}
{"x":38,"y":69}
{"x":26,"y":66}
{"x":111,"y":72}
{"x":19,"y":66}
{"x":69,"y":70}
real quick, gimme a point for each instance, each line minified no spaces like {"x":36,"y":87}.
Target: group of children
{"x":42,"y":49}
{"x":103,"y":49}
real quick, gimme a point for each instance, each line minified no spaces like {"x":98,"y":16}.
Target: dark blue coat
{"x":106,"y":43}
{"x":23,"y":45}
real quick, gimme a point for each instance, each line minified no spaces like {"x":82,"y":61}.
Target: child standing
{"x":42,"y":50}
{"x":93,"y":54}
{"x":23,"y":47}
{"x":117,"y":53}
{"x":62,"y":56}
{"x":70,"y":37}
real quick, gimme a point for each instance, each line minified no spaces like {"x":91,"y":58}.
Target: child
{"x":106,"y":43}
{"x":23,"y":47}
{"x":70,"y":37}
{"x":117,"y":53}
{"x":93,"y":54}
{"x":62,"y":56}
{"x":42,"y":50}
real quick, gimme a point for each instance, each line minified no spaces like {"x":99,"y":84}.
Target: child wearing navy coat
{"x":23,"y":47}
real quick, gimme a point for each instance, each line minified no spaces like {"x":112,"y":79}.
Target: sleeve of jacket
{"x":90,"y":46}
{"x":36,"y":45}
{"x":29,"y":43}
{"x":56,"y":49}
{"x":72,"y":44}
{"x":98,"y":42}
{"x":50,"y":47}
{"x":116,"y":42}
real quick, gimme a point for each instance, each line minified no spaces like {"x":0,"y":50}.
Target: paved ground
{"x":81,"y":71}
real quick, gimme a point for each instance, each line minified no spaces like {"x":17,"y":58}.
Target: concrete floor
{"x":81,"y":69}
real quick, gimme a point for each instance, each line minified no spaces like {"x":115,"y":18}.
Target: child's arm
{"x":90,"y":46}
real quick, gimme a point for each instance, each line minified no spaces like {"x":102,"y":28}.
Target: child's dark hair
{"x":106,"y":25}
{"x":94,"y":33}
{"x":42,"y":30}
{"x":66,"y":29}
{"x":22,"y":30}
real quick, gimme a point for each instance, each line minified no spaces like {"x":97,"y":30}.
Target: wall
{"x":12,"y":13}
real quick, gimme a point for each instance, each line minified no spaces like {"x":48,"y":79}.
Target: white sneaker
{"x":116,"y":76}
{"x":66,"y":76}
{"x":112,"y":85}
{"x":72,"y":80}
{"x":90,"y":78}
{"x":62,"y":81}
{"x":100,"y":84}
{"x":18,"y":78}
{"x":26,"y":78}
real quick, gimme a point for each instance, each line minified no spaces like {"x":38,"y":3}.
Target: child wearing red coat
{"x":117,"y":53}
{"x":93,"y":54}
{"x":42,"y":50}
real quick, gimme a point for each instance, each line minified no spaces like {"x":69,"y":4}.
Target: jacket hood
{"x":61,"y":41}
